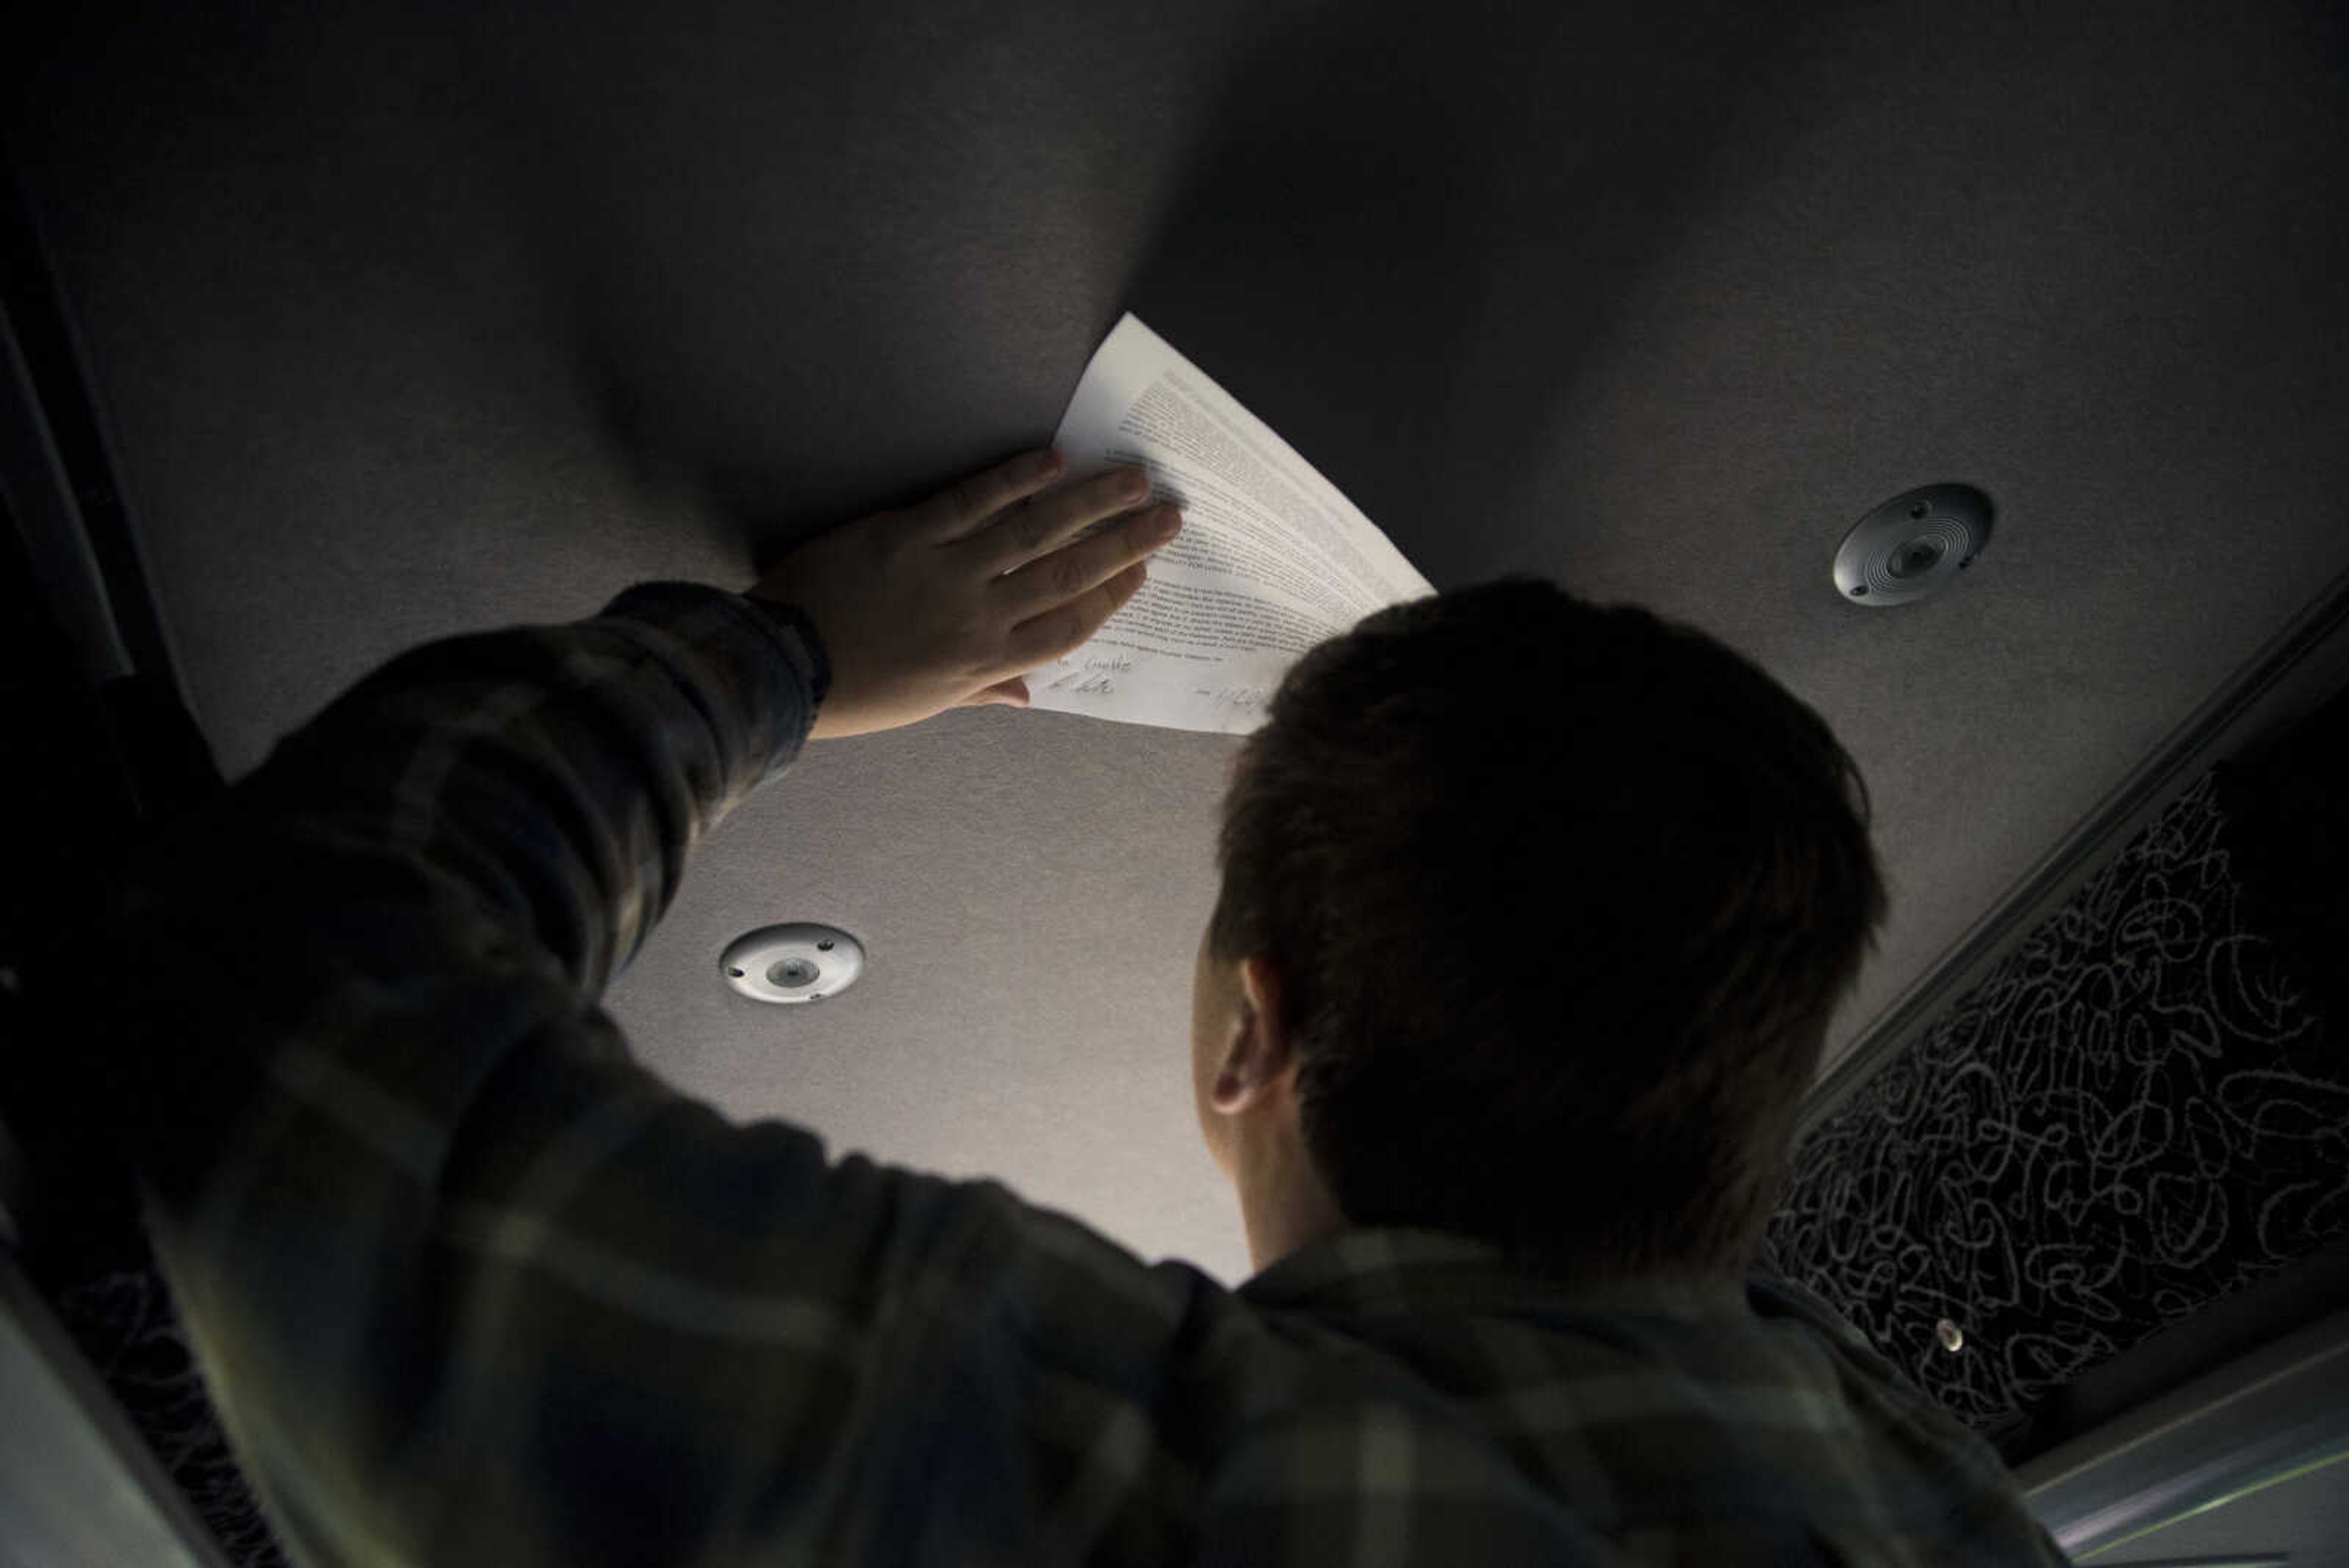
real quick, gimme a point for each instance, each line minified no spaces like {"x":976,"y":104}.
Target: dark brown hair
{"x":1562,"y":896}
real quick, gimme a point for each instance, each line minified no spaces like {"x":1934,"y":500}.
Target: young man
{"x":471,"y":1287}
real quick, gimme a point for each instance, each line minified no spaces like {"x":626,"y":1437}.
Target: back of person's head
{"x":1562,"y":897}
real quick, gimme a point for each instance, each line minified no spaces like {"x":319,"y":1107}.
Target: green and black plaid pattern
{"x":472,"y":1287}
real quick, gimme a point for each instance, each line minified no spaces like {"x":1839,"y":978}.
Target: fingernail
{"x":1048,"y":464}
{"x":1166,"y":525}
{"x":1135,"y":483}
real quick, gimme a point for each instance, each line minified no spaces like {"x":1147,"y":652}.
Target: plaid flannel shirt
{"x":470,"y":1286}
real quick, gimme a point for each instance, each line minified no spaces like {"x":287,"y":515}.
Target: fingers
{"x":1062,"y":583}
{"x":1050,"y":581}
{"x":1019,"y":536}
{"x":968,"y":504}
{"x":1068,"y":626}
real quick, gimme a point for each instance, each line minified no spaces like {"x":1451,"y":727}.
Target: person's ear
{"x":1258,"y":1059}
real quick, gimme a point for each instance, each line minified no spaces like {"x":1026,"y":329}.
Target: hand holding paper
{"x":1272,"y":559}
{"x":943,"y":604}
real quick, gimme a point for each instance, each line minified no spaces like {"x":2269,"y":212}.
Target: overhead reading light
{"x":1913,"y":546}
{"x":797,"y":963}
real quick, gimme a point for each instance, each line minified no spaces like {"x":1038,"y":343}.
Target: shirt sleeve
{"x":465,"y":1283}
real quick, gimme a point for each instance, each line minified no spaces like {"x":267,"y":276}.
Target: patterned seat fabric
{"x":2141,"y":1110}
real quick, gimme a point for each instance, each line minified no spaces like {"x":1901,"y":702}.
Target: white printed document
{"x":1272,"y":559}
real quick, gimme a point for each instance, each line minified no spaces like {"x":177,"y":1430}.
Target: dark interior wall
{"x":111,"y":768}
{"x":2140,"y":1113}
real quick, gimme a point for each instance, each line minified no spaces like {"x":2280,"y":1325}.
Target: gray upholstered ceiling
{"x":414,"y":321}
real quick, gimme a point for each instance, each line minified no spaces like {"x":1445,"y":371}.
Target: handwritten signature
{"x":1097,"y":676}
{"x":1242,"y":697}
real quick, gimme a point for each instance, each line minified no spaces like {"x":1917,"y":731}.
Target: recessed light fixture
{"x":1913,"y":546}
{"x":798,"y":962}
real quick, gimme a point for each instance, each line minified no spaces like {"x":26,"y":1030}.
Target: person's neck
{"x":1285,"y":1205}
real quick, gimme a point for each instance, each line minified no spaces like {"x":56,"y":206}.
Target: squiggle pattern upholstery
{"x":125,"y":1323}
{"x":2135,"y":1113}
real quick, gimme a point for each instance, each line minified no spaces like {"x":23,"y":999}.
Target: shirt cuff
{"x":793,"y":623}
{"x":766,"y":667}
